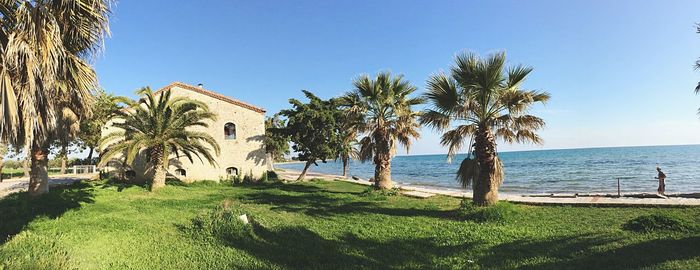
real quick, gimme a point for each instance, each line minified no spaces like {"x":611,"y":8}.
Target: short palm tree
{"x":45,"y":52}
{"x":162,"y":126}
{"x":347,"y":149}
{"x":480,"y":102}
{"x":384,"y":107}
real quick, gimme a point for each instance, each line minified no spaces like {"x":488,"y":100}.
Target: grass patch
{"x":222,"y":223}
{"x":501,"y":212}
{"x":658,"y":222}
{"x":373,"y":192}
{"x":322,"y":225}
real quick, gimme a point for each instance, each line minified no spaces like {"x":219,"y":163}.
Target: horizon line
{"x":555,"y":149}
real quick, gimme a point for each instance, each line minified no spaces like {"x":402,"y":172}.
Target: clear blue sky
{"x":620,"y":72}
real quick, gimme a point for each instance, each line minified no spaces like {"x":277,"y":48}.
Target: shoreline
{"x":288,"y":162}
{"x":643,"y":199}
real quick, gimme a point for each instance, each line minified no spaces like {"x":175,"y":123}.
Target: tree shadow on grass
{"x":326,"y":204}
{"x":119,"y":184}
{"x":299,"y":248}
{"x":591,"y":252}
{"x":18,"y":209}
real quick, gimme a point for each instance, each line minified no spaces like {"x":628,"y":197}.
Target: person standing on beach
{"x":662,"y":181}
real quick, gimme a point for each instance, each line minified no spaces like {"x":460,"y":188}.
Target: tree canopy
{"x":276,"y":144}
{"x":162,"y":126}
{"x":106,"y":106}
{"x":313,"y":129}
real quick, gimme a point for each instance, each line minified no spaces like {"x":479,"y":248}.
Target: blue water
{"x":552,"y":171}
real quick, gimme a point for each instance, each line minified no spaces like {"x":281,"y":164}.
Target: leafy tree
{"x":313,"y":129}
{"x":162,"y":127}
{"x":106,"y":106}
{"x":44,"y":67}
{"x":482,"y":101}
{"x":66,"y":134}
{"x":276,"y":144}
{"x":386,"y":118}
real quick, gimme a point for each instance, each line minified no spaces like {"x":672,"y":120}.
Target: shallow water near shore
{"x":588,"y":170}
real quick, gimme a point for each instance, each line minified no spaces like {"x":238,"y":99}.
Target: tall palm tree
{"x":162,"y":126}
{"x":45,"y":49}
{"x":480,"y":102}
{"x":386,"y":118}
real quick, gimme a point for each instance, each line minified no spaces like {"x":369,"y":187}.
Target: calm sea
{"x":553,"y":171}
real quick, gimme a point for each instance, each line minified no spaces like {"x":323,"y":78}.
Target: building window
{"x":232,"y":171}
{"x":180,"y":172}
{"x":230,"y":131}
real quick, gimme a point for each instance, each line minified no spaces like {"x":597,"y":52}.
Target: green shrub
{"x":203,"y":183}
{"x":658,"y":222}
{"x":248,"y":178}
{"x":272,"y":175}
{"x":373,"y":191}
{"x":501,"y":212}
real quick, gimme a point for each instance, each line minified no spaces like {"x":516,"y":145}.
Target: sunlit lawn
{"x":329,"y":225}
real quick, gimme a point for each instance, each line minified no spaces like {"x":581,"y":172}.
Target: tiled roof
{"x":211,"y":94}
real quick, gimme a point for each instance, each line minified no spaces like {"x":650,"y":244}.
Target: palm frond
{"x":468,"y":172}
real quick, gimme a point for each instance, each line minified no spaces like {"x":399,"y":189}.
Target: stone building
{"x":239,"y":129}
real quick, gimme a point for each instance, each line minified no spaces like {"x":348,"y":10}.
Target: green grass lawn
{"x":8,"y":173}
{"x":328,"y":225}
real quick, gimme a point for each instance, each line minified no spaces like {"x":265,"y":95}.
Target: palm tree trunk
{"x":486,"y":186}
{"x":89,"y":157}
{"x":382,"y":161}
{"x":64,"y":157}
{"x":25,"y":165}
{"x":63,"y":165}
{"x":306,"y":168}
{"x":345,"y":167}
{"x":270,"y":162}
{"x":160,"y":163}
{"x":39,"y":176}
{"x":382,"y":175}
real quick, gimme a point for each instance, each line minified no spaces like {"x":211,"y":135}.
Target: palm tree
{"x":162,"y":126}
{"x":45,"y":49}
{"x":68,"y":126}
{"x":485,"y":98}
{"x":386,"y":118}
{"x":347,"y":150}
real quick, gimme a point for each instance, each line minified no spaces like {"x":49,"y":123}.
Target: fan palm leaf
{"x":45,"y":53}
{"x":482,"y":101}
{"x":161,"y":126}
{"x":385,"y":119}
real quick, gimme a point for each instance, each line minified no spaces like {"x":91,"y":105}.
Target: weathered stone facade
{"x":242,"y":148}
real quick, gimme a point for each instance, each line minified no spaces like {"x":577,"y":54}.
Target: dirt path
{"x":21,"y":184}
